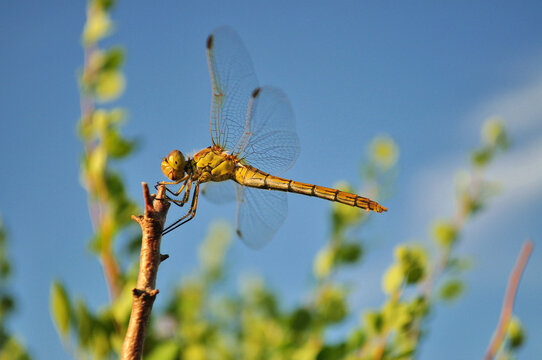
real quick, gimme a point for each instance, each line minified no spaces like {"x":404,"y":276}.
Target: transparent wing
{"x":259,"y":214}
{"x":233,"y":80}
{"x":255,"y":124}
{"x":269,"y":140}
{"x":219,"y":192}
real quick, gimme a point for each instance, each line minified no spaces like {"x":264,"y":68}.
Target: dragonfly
{"x":253,"y":134}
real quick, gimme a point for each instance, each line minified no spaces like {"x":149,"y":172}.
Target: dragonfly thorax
{"x":218,"y":164}
{"x":173,"y":166}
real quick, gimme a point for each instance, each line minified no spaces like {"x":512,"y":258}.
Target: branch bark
{"x":508,"y":303}
{"x":152,"y":224}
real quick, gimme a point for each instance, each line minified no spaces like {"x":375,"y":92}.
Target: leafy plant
{"x":11,"y":347}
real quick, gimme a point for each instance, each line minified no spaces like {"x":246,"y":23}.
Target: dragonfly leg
{"x":186,"y":196}
{"x":172,"y":182}
{"x":189,"y":216}
{"x":187,"y":192}
{"x":179,"y":203}
{"x":184,"y":178}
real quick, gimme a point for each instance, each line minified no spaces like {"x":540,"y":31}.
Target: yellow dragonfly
{"x":252,"y":131}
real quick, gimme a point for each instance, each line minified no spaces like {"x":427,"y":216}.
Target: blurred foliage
{"x":101,"y":80}
{"x":203,"y":320}
{"x":87,"y":333}
{"x":11,"y":347}
{"x":513,"y":340}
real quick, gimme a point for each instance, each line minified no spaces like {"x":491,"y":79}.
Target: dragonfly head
{"x":173,"y":165}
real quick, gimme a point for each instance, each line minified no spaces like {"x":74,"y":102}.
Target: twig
{"x":152,"y":224}
{"x":508,"y":303}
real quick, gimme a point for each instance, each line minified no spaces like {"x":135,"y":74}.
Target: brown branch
{"x":508,"y":303}
{"x":152,"y":224}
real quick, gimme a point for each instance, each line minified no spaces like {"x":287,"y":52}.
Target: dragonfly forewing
{"x":233,"y":80}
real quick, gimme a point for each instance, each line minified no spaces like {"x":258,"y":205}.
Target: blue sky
{"x":427,"y":74}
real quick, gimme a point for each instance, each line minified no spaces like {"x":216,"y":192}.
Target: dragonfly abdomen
{"x":250,"y":176}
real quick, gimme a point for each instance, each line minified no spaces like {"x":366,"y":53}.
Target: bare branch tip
{"x":161,"y":192}
{"x":137,"y":218}
{"x":163,"y":257}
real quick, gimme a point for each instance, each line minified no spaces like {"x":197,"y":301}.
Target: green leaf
{"x":481,"y":157}
{"x":60,"y":308}
{"x":114,"y":183}
{"x":451,"y":290}
{"x":116,"y":146}
{"x":374,"y":321}
{"x":7,"y":304}
{"x":405,"y":354}
{"x":349,"y":253}
{"x":300,"y":320}
{"x":12,"y":349}
{"x":113,"y":59}
{"x":5,"y":267}
{"x":331,"y":305}
{"x":122,"y":208}
{"x":419,"y":306}
{"x":413,"y":260}
{"x":458,"y":265}
{"x":356,"y":339}
{"x":164,"y":351}
{"x":516,"y":334}
{"x":85,"y":324}
{"x":121,"y":308}
{"x":105,"y":4}
{"x":332,"y":352}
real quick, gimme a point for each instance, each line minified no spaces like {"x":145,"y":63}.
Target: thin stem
{"x":152,"y":224}
{"x":458,"y":220}
{"x":98,"y":208}
{"x":509,"y":297}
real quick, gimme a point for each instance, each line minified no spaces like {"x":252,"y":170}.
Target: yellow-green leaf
{"x":451,"y":290}
{"x":494,"y":134}
{"x":444,"y":233}
{"x":98,"y":26}
{"x":323,"y":264}
{"x":60,"y":308}
{"x":164,"y":350}
{"x":109,"y":85}
{"x":515,"y":332}
{"x":393,"y":278}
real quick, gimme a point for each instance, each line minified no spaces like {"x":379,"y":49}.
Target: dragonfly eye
{"x":173,"y":165}
{"x":176,"y":160}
